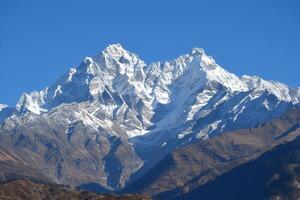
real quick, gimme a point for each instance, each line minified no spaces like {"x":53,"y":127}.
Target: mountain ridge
{"x":273,"y":175}
{"x":149,"y":84}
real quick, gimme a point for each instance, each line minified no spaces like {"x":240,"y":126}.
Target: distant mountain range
{"x":163,"y":129}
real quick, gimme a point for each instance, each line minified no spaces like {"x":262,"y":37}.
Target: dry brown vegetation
{"x":29,"y":190}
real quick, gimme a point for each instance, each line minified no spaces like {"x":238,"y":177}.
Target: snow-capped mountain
{"x":157,"y":106}
{"x":118,"y":85}
{"x":121,"y":87}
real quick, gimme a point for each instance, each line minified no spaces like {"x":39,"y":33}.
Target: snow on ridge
{"x":280,"y":90}
{"x":2,"y":106}
{"x":116,"y":60}
{"x":126,"y":90}
{"x":32,"y":102}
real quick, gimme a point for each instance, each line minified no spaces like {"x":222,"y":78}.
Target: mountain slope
{"x":197,"y":164}
{"x":274,"y":175}
{"x":13,"y":167}
{"x":70,"y":153}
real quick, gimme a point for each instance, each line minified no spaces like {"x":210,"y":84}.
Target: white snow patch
{"x":163,"y":144}
{"x":136,"y":132}
{"x":57,"y":91}
{"x":201,"y":100}
{"x":72,"y":71}
{"x":2,"y":106}
{"x":266,"y":104}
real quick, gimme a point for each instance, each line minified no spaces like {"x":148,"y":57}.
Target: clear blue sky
{"x":40,"y":39}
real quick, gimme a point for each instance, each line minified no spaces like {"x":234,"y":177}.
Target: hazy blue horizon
{"x":41,"y":40}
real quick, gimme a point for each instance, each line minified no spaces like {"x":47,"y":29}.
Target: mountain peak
{"x":115,"y":50}
{"x":197,"y":51}
{"x":2,"y":106}
{"x":115,"y":46}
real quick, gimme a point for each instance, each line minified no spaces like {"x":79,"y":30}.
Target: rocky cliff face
{"x":70,"y":153}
